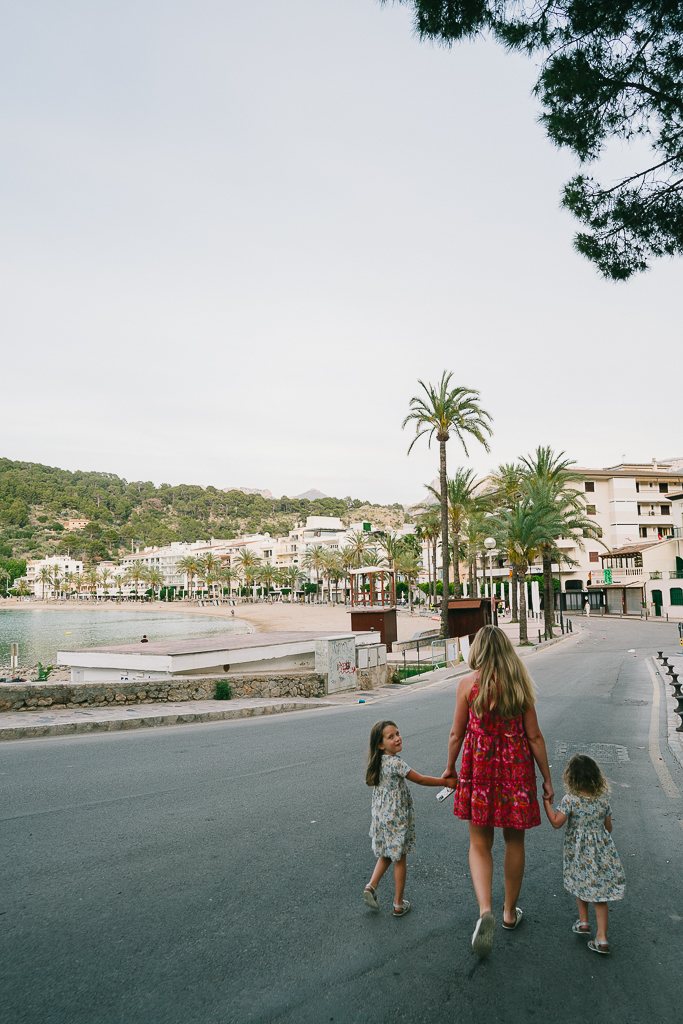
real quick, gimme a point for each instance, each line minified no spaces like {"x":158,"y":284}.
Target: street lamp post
{"x":490,"y":544}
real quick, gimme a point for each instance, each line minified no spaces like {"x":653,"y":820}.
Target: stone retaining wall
{"x":31,"y":696}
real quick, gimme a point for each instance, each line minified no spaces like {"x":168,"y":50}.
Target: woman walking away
{"x":393,"y":819}
{"x":495,"y":724}
{"x":592,"y":869}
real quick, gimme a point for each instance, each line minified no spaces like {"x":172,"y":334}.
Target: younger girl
{"x":592,"y":869}
{"x":393,"y":821}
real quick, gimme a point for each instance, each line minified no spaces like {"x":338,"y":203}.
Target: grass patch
{"x":223,"y":690}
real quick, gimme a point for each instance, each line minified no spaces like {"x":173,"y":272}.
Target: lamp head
{"x":489,"y":543}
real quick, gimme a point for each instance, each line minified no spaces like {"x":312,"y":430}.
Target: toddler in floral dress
{"x":592,"y":869}
{"x":393,"y":819}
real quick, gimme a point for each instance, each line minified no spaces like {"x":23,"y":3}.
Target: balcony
{"x":675,"y":574}
{"x":655,"y":575}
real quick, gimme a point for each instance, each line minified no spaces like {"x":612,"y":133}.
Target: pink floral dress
{"x":497,"y":781}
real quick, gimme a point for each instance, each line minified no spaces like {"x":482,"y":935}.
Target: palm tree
{"x":136,"y":574}
{"x":441,"y":411}
{"x":188,"y":567}
{"x":461,"y":504}
{"x":155,"y":580}
{"x":91,"y":578}
{"x":545,"y":483}
{"x":267,"y":574}
{"x":226,"y":575}
{"x":522,"y":530}
{"x":45,"y":577}
{"x":408,"y":565}
{"x":358,"y":543}
{"x":104,"y":577}
{"x":292,"y":576}
{"x":506,"y":491}
{"x":428,"y":528}
{"x":314,"y":559}
{"x":246,"y":564}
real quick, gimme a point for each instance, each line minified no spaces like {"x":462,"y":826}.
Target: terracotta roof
{"x":630,"y":549}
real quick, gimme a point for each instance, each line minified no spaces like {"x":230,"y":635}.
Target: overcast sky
{"x":234,"y":235}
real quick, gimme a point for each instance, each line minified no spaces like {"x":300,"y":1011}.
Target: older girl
{"x":393,"y":819}
{"x":495,"y":724}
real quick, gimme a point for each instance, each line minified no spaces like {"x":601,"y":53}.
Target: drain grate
{"x":605,"y":753}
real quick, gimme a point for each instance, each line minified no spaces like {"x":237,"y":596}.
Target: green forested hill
{"x":33,"y":498}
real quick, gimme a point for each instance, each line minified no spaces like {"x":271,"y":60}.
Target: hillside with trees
{"x":36,"y":500}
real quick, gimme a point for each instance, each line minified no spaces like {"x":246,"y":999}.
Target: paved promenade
{"x":212,"y":874}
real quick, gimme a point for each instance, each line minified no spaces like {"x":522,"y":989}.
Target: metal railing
{"x":655,"y":575}
{"x":675,"y":574}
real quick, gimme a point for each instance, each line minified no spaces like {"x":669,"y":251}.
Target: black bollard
{"x":539,"y":637}
{"x":679,"y":707}
{"x":660,"y":655}
{"x":676,"y":685}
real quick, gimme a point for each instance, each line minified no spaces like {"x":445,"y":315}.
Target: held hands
{"x":450,"y":778}
{"x":548,"y":792}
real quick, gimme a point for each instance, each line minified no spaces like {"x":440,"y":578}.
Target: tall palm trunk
{"x":523,"y":635}
{"x":548,"y":594}
{"x":514,"y":580}
{"x":435,"y":541}
{"x":456,"y":565}
{"x":445,"y":553}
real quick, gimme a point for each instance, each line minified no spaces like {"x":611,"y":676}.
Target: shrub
{"x":223,"y":690}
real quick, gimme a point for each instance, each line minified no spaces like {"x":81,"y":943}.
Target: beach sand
{"x":262,"y":618}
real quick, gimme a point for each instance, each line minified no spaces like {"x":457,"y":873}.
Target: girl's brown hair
{"x":374,"y":753}
{"x":583,"y":777}
{"x":504,"y":684}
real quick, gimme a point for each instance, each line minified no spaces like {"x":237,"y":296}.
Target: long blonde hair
{"x":505,"y":686}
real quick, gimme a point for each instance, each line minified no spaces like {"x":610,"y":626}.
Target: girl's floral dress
{"x":592,"y":869}
{"x":393,"y":819}
{"x":497,"y":781}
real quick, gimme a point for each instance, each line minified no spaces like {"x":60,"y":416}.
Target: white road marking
{"x":665,"y":777}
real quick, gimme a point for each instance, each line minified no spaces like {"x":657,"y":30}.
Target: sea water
{"x":41,"y":632}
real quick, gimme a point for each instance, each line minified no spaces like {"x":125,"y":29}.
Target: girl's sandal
{"x":400,"y":910}
{"x":581,"y":928}
{"x":370,"y":897}
{"x":599,"y":947}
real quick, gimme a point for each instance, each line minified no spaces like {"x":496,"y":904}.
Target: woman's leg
{"x":481,"y":864}
{"x":601,"y":915}
{"x":514,"y":870}
{"x":380,"y":867}
{"x":399,"y":879}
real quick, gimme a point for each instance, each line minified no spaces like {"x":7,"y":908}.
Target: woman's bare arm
{"x":459,"y":727}
{"x":538,"y":750}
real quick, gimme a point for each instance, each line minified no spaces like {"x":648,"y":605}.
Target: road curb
{"x":146,"y":717}
{"x":673,"y":720}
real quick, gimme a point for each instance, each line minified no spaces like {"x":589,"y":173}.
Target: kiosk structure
{"x":373,"y":602}
{"x":467,"y":615}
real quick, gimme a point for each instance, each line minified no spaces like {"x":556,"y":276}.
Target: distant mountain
{"x":310,"y":495}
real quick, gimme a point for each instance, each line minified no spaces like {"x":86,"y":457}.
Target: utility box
{"x":335,"y":657}
{"x":381,"y":620}
{"x":467,"y":615}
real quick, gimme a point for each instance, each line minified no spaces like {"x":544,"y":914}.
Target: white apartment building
{"x":327,"y":531}
{"x":60,"y":563}
{"x":637,"y":565}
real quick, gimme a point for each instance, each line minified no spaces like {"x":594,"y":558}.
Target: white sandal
{"x":370,"y":897}
{"x":401,"y":909}
{"x":482,"y":937}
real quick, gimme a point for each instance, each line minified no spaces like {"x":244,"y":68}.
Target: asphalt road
{"x":213,"y":873}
